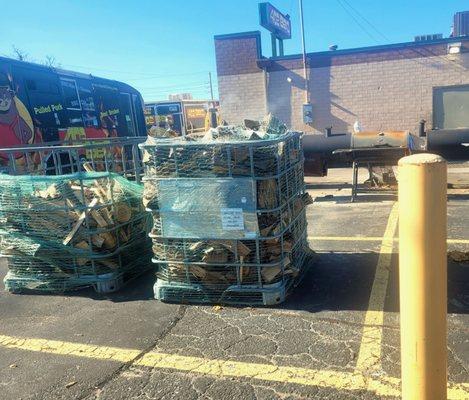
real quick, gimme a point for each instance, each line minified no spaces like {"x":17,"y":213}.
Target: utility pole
{"x":305,"y":72}
{"x":307,"y":107}
{"x":211,"y":87}
{"x":212,"y":110}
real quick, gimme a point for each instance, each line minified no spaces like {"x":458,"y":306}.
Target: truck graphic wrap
{"x":39,"y":104}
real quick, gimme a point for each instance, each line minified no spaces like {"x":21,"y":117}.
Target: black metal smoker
{"x":374,"y":149}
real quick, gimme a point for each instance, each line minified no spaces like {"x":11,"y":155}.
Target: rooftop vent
{"x":427,"y":38}
{"x":461,"y":24}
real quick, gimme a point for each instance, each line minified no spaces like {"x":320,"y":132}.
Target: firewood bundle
{"x":211,"y":236}
{"x":237,"y":150}
{"x":70,"y":227}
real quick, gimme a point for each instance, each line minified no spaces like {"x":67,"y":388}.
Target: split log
{"x":123,"y":236}
{"x":234,"y":247}
{"x":78,"y":224}
{"x":244,"y":271}
{"x":108,"y":263}
{"x":215,"y":256}
{"x":100,"y":220}
{"x":50,"y":193}
{"x":208,"y":276}
{"x":252,"y":124}
{"x":82,"y":246}
{"x":123,"y":212}
{"x":103,"y":190}
{"x":97,"y":241}
{"x":109,"y":239}
{"x":150,"y":195}
{"x":270,"y":273}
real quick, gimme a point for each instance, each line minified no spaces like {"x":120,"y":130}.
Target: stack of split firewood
{"x":206,"y":257}
{"x":274,"y":163}
{"x":69,"y":227}
{"x":197,"y":161}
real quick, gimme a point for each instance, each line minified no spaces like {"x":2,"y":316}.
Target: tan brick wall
{"x":392,"y":94}
{"x":240,"y":81}
{"x":237,"y":55}
{"x":241,"y":96}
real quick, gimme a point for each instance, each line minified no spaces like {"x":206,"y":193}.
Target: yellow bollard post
{"x":423,"y":276}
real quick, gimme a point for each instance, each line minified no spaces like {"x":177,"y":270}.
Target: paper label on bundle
{"x":232,"y":219}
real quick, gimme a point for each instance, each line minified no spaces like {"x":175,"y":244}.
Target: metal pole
{"x":280,"y":47}
{"x":305,"y":74}
{"x":423,"y":276}
{"x":212,"y":111}
{"x":211,"y":87}
{"x":273,"y":39}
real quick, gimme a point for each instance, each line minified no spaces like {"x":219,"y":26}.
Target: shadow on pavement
{"x":343,"y":281}
{"x":458,"y":196}
{"x":335,"y":281}
{"x":361,"y":198}
{"x":331,"y":186}
{"x":139,"y":288}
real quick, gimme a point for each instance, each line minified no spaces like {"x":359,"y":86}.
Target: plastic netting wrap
{"x":69,"y":231}
{"x":229,"y":214}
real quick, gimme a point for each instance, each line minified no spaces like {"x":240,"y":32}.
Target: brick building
{"x":384,"y":87}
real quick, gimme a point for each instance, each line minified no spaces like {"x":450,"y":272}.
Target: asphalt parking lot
{"x":336,"y":336}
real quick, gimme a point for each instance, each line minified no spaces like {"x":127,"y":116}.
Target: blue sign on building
{"x":274,"y":21}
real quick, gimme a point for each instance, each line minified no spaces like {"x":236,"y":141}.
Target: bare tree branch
{"x":51,"y":62}
{"x":19,"y":54}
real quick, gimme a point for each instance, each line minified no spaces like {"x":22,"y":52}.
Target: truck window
{"x":42,"y":86}
{"x":85,"y":93}
{"x":46,"y":101}
{"x":4,"y":81}
{"x":139,"y":118}
{"x":107,"y":104}
{"x":126,"y":117}
{"x":70,"y":94}
{"x":173,"y":111}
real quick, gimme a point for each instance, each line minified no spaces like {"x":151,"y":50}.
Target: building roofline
{"x":238,"y":35}
{"x":372,"y":49}
{"x":244,"y":35}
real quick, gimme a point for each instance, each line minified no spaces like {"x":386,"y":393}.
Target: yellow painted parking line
{"x":215,"y":367}
{"x":369,"y":355}
{"x":458,"y":241}
{"x":346,"y":238}
{"x":69,"y":348}
{"x":337,"y":380}
{"x":369,"y":239}
{"x":265,"y":372}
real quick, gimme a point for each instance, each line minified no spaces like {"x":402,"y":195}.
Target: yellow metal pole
{"x":423,"y":276}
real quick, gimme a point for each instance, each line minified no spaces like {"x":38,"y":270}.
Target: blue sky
{"x":163,"y":47}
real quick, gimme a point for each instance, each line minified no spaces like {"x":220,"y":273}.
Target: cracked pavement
{"x":319,"y":327}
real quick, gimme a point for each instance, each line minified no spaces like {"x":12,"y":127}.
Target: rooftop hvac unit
{"x":426,"y":38}
{"x":461,"y":24}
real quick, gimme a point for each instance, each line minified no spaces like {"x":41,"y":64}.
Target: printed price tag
{"x":232,"y":219}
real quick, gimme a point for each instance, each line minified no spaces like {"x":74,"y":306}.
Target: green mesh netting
{"x":68,"y":231}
